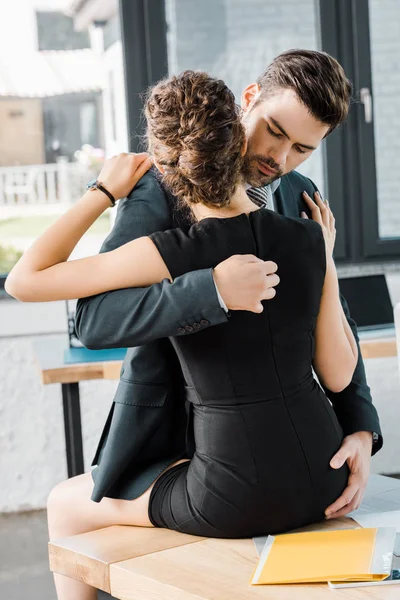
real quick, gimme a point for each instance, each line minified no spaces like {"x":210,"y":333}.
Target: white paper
{"x":378,"y":519}
{"x":260,"y":543}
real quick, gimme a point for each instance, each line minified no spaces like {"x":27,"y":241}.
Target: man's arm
{"x":353,"y":406}
{"x":358,"y":417}
{"x":359,"y":420}
{"x":133,"y":317}
{"x":136,"y":316}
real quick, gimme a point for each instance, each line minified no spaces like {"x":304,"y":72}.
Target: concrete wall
{"x":32,"y":442}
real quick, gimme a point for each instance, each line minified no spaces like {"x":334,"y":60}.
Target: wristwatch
{"x":95,"y":184}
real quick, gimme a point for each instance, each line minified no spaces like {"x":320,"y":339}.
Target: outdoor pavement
{"x":24,"y":567}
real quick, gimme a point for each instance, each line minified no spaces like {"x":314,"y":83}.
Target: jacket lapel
{"x":288,"y":197}
{"x":285,"y":200}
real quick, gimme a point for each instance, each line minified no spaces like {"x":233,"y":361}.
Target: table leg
{"x":73,"y":428}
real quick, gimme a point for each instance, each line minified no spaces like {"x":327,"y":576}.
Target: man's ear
{"x":244,"y":148}
{"x":249,"y":95}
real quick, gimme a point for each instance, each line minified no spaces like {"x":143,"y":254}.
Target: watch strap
{"x":97,"y":185}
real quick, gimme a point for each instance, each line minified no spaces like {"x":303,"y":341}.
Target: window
{"x":88,"y":122}
{"x":362,"y":156}
{"x":235,"y":40}
{"x":62,"y":111}
{"x":54,"y":132}
{"x":384,"y":25}
{"x":357,"y":167}
{"x":56,"y":32}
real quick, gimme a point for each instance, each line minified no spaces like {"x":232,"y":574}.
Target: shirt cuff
{"x":220,"y":299}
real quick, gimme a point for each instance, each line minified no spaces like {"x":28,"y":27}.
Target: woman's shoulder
{"x":206,"y":244}
{"x":260,"y":224}
{"x":280,"y":226}
{"x":229,"y":233}
{"x":282,"y":238}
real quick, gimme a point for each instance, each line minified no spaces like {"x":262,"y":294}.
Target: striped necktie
{"x":261,"y":196}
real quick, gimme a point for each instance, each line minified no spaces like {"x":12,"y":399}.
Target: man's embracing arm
{"x":359,"y":420}
{"x":353,"y":406}
{"x":136,"y":316}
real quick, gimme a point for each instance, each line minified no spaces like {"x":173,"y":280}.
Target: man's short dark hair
{"x":318,"y":80}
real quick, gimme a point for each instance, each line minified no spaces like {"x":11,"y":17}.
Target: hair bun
{"x":195,"y":133}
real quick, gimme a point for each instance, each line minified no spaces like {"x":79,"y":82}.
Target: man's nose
{"x":280,"y":153}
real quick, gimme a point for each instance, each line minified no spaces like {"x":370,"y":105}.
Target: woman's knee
{"x":63,"y":506}
{"x":58,"y":507}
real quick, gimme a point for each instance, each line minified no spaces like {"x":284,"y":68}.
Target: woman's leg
{"x":71,"y":511}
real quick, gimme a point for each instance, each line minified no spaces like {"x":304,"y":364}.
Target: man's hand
{"x":244,"y":280}
{"x":356,"y":450}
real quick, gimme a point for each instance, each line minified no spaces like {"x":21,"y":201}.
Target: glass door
{"x":377,"y":53}
{"x":235,"y":40}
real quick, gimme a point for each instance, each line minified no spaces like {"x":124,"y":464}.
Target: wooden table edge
{"x":378,"y":348}
{"x":74,"y":373}
{"x":111,"y":369}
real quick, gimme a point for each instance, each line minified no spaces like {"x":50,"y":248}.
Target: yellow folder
{"x":318,"y":556}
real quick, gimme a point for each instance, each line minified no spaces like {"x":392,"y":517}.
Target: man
{"x":301,"y":97}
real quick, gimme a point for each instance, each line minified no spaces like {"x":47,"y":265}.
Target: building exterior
{"x":50,"y":86}
{"x":101,"y":19}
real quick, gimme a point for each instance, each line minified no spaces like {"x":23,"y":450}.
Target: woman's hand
{"x":44,"y":273}
{"x":322,"y":214}
{"x":120,"y":174}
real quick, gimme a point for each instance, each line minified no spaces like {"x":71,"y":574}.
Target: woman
{"x":264,"y":430}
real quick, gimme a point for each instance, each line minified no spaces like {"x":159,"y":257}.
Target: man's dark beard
{"x":253,"y":176}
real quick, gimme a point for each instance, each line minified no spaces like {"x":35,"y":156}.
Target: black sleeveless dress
{"x":264,"y":431}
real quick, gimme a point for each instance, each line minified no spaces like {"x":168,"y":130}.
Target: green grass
{"x":8,"y":257}
{"x":31,"y":227}
{"x":35,"y":225}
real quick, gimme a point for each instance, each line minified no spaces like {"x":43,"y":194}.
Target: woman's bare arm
{"x":336,"y":352}
{"x":43,"y":273}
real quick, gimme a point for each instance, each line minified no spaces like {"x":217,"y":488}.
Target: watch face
{"x":92,"y":185}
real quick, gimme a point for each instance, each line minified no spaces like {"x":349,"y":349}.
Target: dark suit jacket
{"x":147,"y":427}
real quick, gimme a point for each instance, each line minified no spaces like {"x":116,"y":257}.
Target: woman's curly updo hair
{"x":195,"y":134}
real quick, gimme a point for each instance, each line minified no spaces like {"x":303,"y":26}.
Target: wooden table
{"x":378,"y":347}
{"x":149,"y":563}
{"x":370,"y":348}
{"x":50,"y":357}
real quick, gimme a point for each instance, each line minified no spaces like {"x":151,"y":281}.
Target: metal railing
{"x":59,"y":183}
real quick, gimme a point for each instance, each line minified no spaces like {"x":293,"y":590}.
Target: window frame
{"x":374,"y":246}
{"x":145,"y":57}
{"x":351,"y":166}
